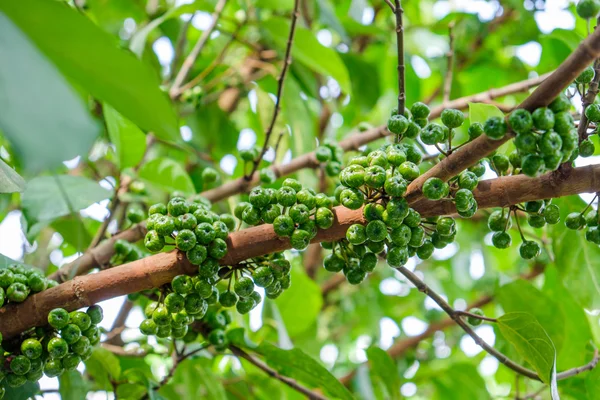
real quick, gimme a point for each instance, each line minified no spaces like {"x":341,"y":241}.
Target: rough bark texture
{"x":160,"y":269}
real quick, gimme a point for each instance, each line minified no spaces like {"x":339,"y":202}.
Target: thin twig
{"x":439,"y":300}
{"x":287,"y":61}
{"x":180,"y":46}
{"x":274,"y":374}
{"x":191,"y":58}
{"x":398,"y":11}
{"x":450,"y":65}
{"x":214,"y":63}
{"x":389,"y":3}
{"x":481,"y":317}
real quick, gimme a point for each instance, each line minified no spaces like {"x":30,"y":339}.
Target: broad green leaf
{"x":44,"y":199}
{"x":103,"y":366}
{"x":300,"y":304}
{"x":576,"y":325}
{"x":72,"y":386}
{"x":42,"y":116}
{"x":77,"y":231}
{"x":129,"y":140}
{"x":307,"y":50}
{"x":522,"y":296}
{"x":592,"y":383}
{"x":92,"y":59}
{"x":5,"y":261}
{"x":578,"y":263}
{"x":213,"y":129}
{"x":298,"y":365}
{"x":167,"y":175}
{"x":131,"y":391}
{"x":480,"y":112}
{"x":384,"y":368}
{"x":463,"y":379}
{"x":25,"y":392}
{"x":10,"y":180}
{"x":532,"y":342}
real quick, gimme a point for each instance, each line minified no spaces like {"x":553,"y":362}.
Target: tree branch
{"x":287,"y":61}
{"x":589,"y":98}
{"x":159,"y":269}
{"x":550,"y":88}
{"x":398,"y":11}
{"x":191,"y":58}
{"x":105,"y":250}
{"x":274,"y":374}
{"x":439,"y":300}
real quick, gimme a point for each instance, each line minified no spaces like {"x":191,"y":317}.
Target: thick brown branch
{"x":274,"y":374}
{"x":101,"y":255}
{"x":588,"y":99}
{"x":98,"y":256}
{"x":470,"y":154}
{"x":157,"y":270}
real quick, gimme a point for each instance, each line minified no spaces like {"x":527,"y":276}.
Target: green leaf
{"x":307,"y":50}
{"x":532,"y":342}
{"x":44,"y":199}
{"x":10,"y":181}
{"x":522,"y":296}
{"x":72,"y":386}
{"x":480,"y":112}
{"x":383,"y":367}
{"x":131,"y":391}
{"x":92,"y":59}
{"x":6,"y":261}
{"x":38,"y":104}
{"x":579,"y":266}
{"x":300,"y":304}
{"x":592,"y":383}
{"x":298,"y":365}
{"x":25,"y":392}
{"x":103,"y":366}
{"x":460,"y":378}
{"x":576,"y":325}
{"x":167,"y":175}
{"x":279,"y":5}
{"x":129,"y":140}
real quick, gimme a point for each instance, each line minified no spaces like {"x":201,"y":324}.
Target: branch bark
{"x":551,"y":87}
{"x":157,"y":270}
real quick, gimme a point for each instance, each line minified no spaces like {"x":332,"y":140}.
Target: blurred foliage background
{"x":95,"y":104}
